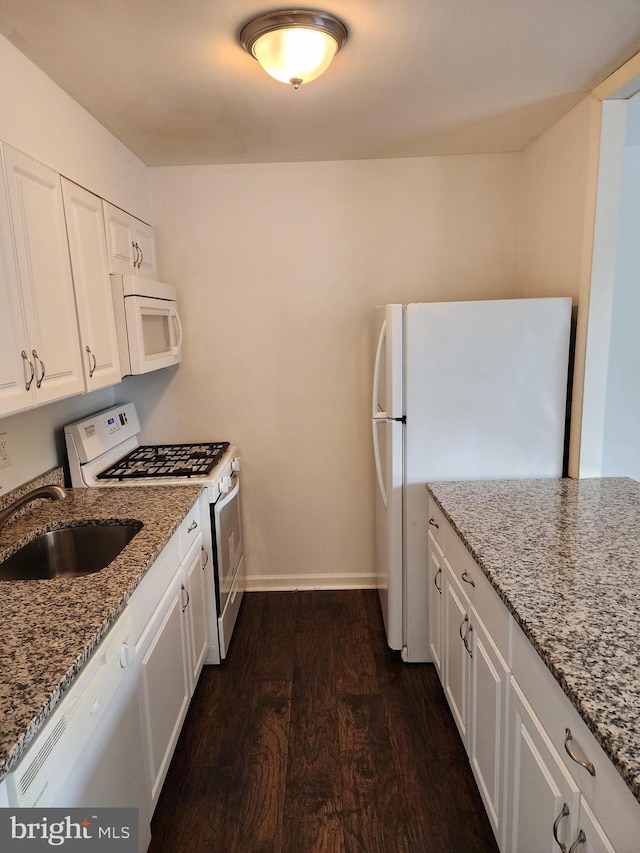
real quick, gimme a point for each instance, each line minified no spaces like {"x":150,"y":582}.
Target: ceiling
{"x":416,"y":77}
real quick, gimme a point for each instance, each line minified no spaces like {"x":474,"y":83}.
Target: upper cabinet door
{"x":44,"y":271}
{"x":16,"y":384}
{"x":90,"y":267}
{"x":145,"y":243}
{"x":130,"y":244}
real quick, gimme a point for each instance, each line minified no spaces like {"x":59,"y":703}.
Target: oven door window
{"x":228,"y":533}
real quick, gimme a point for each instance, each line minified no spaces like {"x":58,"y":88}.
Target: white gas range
{"x":103,"y":451}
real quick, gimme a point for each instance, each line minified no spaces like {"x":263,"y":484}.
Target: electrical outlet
{"x":5,"y":459}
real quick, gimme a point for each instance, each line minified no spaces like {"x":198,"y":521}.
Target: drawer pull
{"x":435,"y":581}
{"x":581,"y":839}
{"x":467,"y":579}
{"x":37,"y":358}
{"x":556,"y":824}
{"x":434,"y":523}
{"x":92,"y":367}
{"x":192,"y":526}
{"x":464,"y":640}
{"x":588,"y":766}
{"x":464,"y":621}
{"x":184,"y":589}
{"x":27,"y":386}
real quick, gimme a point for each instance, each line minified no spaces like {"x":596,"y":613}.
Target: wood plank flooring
{"x":312,"y":737}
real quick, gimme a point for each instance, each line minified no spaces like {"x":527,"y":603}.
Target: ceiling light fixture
{"x":295,"y":45}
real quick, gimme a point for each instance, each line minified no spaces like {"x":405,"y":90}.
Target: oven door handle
{"x":221,"y":504}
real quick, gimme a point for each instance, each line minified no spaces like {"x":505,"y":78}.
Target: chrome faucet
{"x":53,"y":493}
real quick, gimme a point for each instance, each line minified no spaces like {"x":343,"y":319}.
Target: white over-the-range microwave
{"x":147,"y":323}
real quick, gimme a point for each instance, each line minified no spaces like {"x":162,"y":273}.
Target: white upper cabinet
{"x":90,"y":267}
{"x":15,"y":389}
{"x":130,"y":244}
{"x":52,"y":350}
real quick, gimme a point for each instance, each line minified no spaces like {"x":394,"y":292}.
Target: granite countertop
{"x":564,"y":556}
{"x":49,"y":628}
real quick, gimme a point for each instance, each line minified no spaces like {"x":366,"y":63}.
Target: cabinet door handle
{"x":92,"y":367}
{"x":36,"y":357}
{"x":184,"y":589}
{"x":137,"y":251}
{"x":435,"y":580}
{"x":434,"y":523}
{"x":581,"y":839}
{"x":588,"y":766}
{"x":466,"y":619}
{"x":192,"y":526}
{"x":464,"y":640}
{"x":564,"y":813}
{"x":28,"y":383}
{"x":467,"y":579}
{"x":205,"y":562}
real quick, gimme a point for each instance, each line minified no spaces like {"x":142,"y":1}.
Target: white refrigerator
{"x":461,"y":391}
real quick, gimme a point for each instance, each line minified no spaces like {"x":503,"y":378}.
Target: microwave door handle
{"x":176,"y":317}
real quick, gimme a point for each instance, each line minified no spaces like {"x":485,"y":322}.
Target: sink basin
{"x":69,"y":551}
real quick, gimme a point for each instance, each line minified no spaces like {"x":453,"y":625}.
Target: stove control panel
{"x":102,"y":431}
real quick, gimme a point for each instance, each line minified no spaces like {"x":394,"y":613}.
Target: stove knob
{"x":235,"y":465}
{"x":225,"y":485}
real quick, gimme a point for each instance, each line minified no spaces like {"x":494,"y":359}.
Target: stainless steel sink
{"x":69,"y":551}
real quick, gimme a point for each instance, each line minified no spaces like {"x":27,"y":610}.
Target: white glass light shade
{"x":294,"y":45}
{"x":297,"y":55}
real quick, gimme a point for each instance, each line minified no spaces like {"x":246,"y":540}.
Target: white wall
{"x":279,"y":269}
{"x":621,"y":434}
{"x":556,"y":219}
{"x":559,"y":183}
{"x":36,"y":438}
{"x":37,"y":117}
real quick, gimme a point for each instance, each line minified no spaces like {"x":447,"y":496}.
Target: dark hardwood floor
{"x":312,"y":737}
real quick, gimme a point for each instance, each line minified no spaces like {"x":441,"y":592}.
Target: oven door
{"x":228,"y":564}
{"x":154,"y":333}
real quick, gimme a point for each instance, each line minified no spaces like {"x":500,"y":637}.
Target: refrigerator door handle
{"x":375,"y":414}
{"x":377,"y":367}
{"x":376,"y":454}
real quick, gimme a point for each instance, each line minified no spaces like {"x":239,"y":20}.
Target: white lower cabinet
{"x":591,"y":837}
{"x":456,"y":659}
{"x":170,"y":653}
{"x":487,"y":722}
{"x":544,"y":801}
{"x":436,"y":602}
{"x":163,"y":683}
{"x":528,"y":748}
{"x":195,"y":611}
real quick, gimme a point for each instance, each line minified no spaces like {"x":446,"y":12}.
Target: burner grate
{"x":166,"y":460}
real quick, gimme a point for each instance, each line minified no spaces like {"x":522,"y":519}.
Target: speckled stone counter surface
{"x":564,"y":556}
{"x":49,"y":628}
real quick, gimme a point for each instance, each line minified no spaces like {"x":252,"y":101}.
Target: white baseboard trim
{"x":290,"y":583}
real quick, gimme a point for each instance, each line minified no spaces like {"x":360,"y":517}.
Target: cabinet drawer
{"x":436,"y":522}
{"x":613,"y":804}
{"x":153,"y":585}
{"x":478,"y":590}
{"x":190,"y":529}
